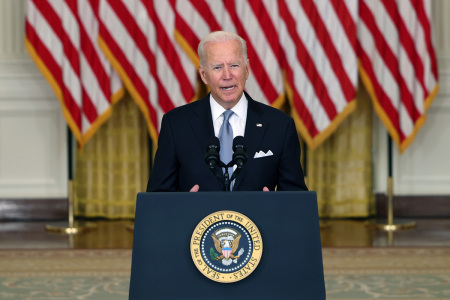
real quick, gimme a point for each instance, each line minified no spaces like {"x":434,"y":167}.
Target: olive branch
{"x":213,"y":253}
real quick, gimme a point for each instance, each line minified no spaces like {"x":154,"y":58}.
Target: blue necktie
{"x":226,"y":140}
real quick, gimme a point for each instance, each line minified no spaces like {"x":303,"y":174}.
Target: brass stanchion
{"x":391,"y":225}
{"x":70,"y":227}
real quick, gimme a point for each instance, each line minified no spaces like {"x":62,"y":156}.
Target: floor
{"x":118,"y":234}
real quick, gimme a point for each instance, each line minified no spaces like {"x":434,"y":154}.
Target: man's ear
{"x":202,"y":74}
{"x":247,"y":66}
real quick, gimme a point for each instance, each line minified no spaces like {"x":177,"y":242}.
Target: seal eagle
{"x":227,"y":247}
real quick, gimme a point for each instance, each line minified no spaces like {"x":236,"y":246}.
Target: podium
{"x":290,"y":266}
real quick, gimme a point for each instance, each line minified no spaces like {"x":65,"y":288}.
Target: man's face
{"x":225,"y":71}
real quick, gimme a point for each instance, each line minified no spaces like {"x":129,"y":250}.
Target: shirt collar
{"x":240,"y":109}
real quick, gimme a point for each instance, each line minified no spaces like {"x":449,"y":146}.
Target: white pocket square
{"x":260,"y":154}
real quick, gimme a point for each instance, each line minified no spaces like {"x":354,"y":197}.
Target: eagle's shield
{"x":226,"y":252}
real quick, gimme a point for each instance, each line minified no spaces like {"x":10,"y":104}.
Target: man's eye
{"x":217,"y":68}
{"x":235,"y":66}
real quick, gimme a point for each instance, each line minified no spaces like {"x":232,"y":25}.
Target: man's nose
{"x":226,"y":74}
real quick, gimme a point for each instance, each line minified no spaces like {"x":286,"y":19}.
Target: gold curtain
{"x":340,"y":170}
{"x":113,"y":166}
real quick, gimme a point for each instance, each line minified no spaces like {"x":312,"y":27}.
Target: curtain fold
{"x":113,"y":166}
{"x":340,"y":170}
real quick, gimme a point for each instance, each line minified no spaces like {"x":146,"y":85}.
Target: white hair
{"x":220,"y":36}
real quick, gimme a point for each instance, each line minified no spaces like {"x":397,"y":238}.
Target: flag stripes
{"x":321,"y":88}
{"x":308,"y":51}
{"x":61,"y":38}
{"x":138,"y":39}
{"x":398,"y":64}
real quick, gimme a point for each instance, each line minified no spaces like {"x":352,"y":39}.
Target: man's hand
{"x":195,"y":188}
{"x":265,"y":189}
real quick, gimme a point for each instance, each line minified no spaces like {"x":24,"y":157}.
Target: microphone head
{"x":239,"y":142}
{"x":239,"y":155}
{"x":213,"y":143}
{"x":212,"y":152}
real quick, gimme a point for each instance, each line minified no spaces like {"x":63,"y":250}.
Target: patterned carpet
{"x":350,"y":273}
{"x":65,"y":274}
{"x":387,"y":273}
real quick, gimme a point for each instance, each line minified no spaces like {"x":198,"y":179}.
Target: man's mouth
{"x":228,"y":88}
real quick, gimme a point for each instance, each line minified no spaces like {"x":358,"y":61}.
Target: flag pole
{"x":69,"y":227}
{"x":392,"y":224}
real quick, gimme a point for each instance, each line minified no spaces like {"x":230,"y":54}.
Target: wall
{"x":33,"y":151}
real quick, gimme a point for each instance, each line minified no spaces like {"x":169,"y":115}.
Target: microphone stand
{"x":223,"y":177}
{"x":226,"y":180}
{"x":236,"y":173}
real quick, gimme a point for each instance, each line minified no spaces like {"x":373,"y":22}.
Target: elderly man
{"x":271,"y":139}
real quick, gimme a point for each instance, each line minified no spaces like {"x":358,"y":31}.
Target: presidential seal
{"x":226,"y":246}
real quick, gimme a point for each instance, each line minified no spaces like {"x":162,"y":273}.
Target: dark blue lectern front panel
{"x":291,"y":262}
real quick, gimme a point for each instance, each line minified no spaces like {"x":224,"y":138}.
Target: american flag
{"x":61,"y":37}
{"x":138,"y":38}
{"x":304,"y":50}
{"x":319,"y":39}
{"x":398,"y":63}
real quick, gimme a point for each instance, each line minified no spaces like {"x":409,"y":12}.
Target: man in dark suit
{"x":271,"y":140}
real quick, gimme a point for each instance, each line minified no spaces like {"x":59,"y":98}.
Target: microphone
{"x":212,"y":157}
{"x":239,"y":155}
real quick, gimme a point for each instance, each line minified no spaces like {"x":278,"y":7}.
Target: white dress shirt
{"x":237,"y":120}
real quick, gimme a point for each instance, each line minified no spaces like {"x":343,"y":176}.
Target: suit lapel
{"x":202,"y":126}
{"x":255,"y":128}
{"x":201,"y":123}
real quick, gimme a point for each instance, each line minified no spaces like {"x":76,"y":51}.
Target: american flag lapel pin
{"x":258,"y":125}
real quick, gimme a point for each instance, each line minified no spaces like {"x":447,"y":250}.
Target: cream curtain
{"x":113,"y":166}
{"x":340,"y":170}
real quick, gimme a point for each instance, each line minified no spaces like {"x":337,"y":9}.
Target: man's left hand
{"x":195,"y":188}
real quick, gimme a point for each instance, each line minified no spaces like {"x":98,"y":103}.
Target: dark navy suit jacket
{"x":185,"y":131}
